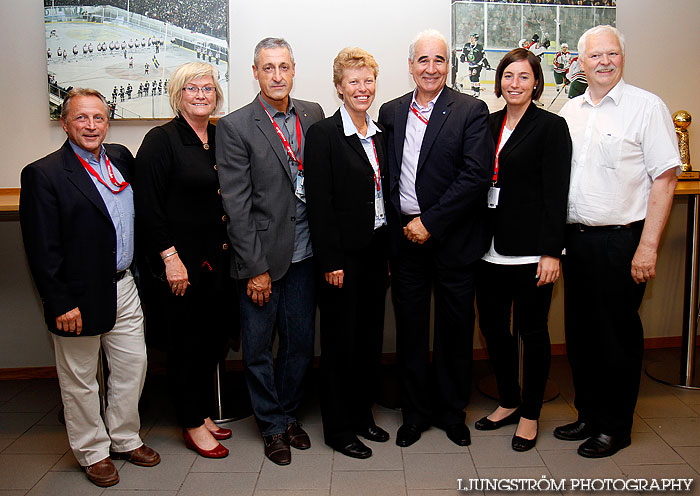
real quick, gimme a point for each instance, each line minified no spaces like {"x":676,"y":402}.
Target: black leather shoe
{"x":575,"y":431}
{"x":408,"y":434}
{"x":484,"y":424}
{"x":602,"y":445}
{"x":355,"y":449}
{"x":459,"y":434}
{"x":374,"y":433}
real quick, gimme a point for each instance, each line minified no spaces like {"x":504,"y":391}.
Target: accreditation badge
{"x":492,"y":200}
{"x":300,"y":191}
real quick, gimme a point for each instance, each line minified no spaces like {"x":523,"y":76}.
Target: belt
{"x":613,"y":227}
{"x":406,"y":218}
{"x":119,"y":275}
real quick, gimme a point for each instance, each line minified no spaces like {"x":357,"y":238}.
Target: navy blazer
{"x":340,"y":190}
{"x":70,"y":239}
{"x":534,"y":167}
{"x":454,"y":170}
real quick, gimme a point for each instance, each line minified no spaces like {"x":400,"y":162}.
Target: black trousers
{"x":352,"y":325}
{"x":434,"y":392}
{"x":498,"y":288}
{"x":604,"y":335}
{"x":198,"y":326}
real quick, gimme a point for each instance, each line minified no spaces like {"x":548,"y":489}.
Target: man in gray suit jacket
{"x":259,"y":153}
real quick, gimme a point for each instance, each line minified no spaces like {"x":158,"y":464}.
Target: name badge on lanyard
{"x":494,"y":191}
{"x":299,"y":191}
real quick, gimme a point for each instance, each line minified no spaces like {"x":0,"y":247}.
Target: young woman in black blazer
{"x":527,"y":217}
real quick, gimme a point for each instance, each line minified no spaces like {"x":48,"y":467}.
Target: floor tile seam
{"x":676,"y":464}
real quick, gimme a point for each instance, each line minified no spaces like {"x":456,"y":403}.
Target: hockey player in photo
{"x":473,"y":54}
{"x":561,"y":63}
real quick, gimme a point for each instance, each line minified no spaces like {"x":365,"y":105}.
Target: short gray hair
{"x":428,"y":33}
{"x":82,"y":92}
{"x":603,"y":28}
{"x":271,"y":43}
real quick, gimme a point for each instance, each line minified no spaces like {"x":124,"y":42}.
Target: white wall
{"x":661,"y":57}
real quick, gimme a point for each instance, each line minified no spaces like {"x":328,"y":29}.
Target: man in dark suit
{"x":77,"y":218}
{"x":440,"y":162}
{"x":259,"y":152}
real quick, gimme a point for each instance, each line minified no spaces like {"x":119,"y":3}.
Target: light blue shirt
{"x":120,"y":206}
{"x":349,"y":129}
{"x":413,"y":140}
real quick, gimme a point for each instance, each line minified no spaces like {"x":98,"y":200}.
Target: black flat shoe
{"x":521,"y":444}
{"x":602,"y":445}
{"x":374,"y":433}
{"x":408,"y":434}
{"x":485,"y":424}
{"x":355,"y":449}
{"x":575,"y":431}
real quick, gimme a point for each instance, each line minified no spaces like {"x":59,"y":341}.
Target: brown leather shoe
{"x":102,"y":473}
{"x":297,"y":437}
{"x":277,"y":449}
{"x":142,"y":456}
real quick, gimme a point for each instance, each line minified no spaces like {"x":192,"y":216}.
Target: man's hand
{"x":415,"y":231}
{"x":547,"y":270}
{"x":643,"y":264}
{"x":70,"y":321}
{"x":259,"y":288}
{"x":175,"y":272}
{"x":335,"y":278}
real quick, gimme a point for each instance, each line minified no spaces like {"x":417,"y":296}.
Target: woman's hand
{"x":547,"y":270}
{"x":335,"y":278}
{"x":175,"y":272}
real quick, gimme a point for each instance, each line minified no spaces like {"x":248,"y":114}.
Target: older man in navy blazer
{"x":440,"y":163}
{"x":76,"y":212}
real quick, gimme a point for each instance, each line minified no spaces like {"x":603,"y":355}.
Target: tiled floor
{"x":35,"y":459}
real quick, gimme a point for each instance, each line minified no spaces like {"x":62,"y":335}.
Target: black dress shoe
{"x":355,"y":449}
{"x":602,"y":445}
{"x":408,"y":434}
{"x":374,"y":433}
{"x":575,"y":431}
{"x":484,"y":424}
{"x":459,"y":434}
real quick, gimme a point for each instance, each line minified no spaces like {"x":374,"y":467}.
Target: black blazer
{"x":454,"y":169}
{"x":340,"y":190}
{"x":534,"y":169}
{"x":70,"y":239}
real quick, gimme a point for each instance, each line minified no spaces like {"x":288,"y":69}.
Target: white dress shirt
{"x":415,"y":131}
{"x":349,"y":129}
{"x":620,"y":146}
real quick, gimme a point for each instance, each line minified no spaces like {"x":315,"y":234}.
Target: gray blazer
{"x":257,"y":189}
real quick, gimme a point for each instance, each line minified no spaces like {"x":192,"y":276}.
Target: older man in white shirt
{"x":623,"y":175}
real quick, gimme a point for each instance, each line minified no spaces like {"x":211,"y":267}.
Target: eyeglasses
{"x":193,"y":90}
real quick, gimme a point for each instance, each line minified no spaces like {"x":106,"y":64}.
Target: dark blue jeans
{"x":275,"y":389}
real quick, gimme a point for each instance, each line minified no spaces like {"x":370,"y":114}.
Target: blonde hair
{"x":352,"y":58}
{"x":186,"y":73}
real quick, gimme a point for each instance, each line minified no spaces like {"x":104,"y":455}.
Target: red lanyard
{"x":286,"y":144}
{"x":377,"y":175}
{"x":419,"y":115}
{"x":110,"y":172}
{"x":498,"y":150}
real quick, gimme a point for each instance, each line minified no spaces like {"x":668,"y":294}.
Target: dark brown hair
{"x":517,"y":55}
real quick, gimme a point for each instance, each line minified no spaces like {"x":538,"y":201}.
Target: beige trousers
{"x":89,"y":436}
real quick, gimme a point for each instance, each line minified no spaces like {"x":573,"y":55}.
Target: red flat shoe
{"x":221,"y":434}
{"x":218,"y":452}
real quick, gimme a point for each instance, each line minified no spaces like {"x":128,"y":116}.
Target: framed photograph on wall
{"x":127,"y":49}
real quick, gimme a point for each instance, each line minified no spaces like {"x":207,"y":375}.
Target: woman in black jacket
{"x":345,"y":163}
{"x":182,"y":226}
{"x":527,"y":218}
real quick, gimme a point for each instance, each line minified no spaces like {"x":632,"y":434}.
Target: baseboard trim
{"x":12,"y":374}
